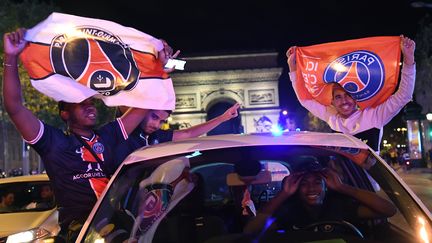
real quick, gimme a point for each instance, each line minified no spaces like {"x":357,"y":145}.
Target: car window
{"x":410,"y":217}
{"x":215,"y":188}
{"x":213,"y":196}
{"x":26,"y":196}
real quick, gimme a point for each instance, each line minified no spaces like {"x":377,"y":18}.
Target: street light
{"x":429,"y":116}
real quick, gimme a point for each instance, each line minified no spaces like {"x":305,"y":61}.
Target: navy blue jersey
{"x":78,"y":178}
{"x":138,"y":139}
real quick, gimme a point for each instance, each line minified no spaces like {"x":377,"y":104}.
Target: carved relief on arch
{"x":209,"y":98}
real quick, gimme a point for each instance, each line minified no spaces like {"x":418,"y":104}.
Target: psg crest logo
{"x":95,"y":58}
{"x":98,"y":147}
{"x":360,"y":73}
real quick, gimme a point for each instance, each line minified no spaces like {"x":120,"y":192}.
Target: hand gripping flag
{"x":72,"y":58}
{"x":368,"y":69}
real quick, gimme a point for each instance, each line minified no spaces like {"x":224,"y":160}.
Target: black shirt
{"x":137,"y":140}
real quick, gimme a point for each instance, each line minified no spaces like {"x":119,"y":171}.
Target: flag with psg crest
{"x":71,"y":58}
{"x":367,"y":68}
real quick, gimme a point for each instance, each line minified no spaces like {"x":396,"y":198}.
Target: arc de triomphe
{"x":211,"y":84}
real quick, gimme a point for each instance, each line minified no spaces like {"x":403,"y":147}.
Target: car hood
{"x":11,"y":223}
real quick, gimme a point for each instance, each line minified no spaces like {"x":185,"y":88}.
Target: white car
{"x":194,"y":191}
{"x":30,"y":213}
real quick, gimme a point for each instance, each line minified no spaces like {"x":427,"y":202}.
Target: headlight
{"x":27,"y":236}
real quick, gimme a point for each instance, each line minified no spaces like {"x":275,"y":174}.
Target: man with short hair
{"x":345,"y":116}
{"x":149,"y":131}
{"x":76,"y":161}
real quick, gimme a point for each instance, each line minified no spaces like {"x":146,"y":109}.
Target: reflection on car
{"x":27,"y":210}
{"x":209,"y":189}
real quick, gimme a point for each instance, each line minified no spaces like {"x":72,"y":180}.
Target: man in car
{"x":7,"y":200}
{"x":303,"y":200}
{"x":149,"y":131}
{"x":75,"y":161}
{"x":345,"y":116}
{"x":46,"y":199}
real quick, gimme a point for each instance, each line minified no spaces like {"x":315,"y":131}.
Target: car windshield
{"x":26,"y":196}
{"x":213,"y":195}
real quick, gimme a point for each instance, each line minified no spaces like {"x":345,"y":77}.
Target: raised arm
{"x":205,"y":127}
{"x":26,"y":123}
{"x":165,"y":54}
{"x":313,"y":106}
{"x":384,"y":112}
{"x":372,"y":205}
{"x":132,"y":118}
{"x":290,"y":186}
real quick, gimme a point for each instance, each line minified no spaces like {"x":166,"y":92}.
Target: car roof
{"x":242,"y":140}
{"x":26,"y":178}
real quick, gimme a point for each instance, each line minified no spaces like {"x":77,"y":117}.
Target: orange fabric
{"x":36,"y":60}
{"x":98,"y":185}
{"x":358,"y":156}
{"x":148,"y":65}
{"x":87,"y":155}
{"x":367,"y":68}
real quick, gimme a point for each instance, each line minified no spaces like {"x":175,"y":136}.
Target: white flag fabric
{"x":71,"y":58}
{"x":159,"y":194}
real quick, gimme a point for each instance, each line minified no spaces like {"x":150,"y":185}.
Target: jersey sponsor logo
{"x":93,"y":170}
{"x":90,"y":167}
{"x":95,"y":58}
{"x":360,"y":73}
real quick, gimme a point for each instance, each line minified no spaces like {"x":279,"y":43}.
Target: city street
{"x":420,"y":181}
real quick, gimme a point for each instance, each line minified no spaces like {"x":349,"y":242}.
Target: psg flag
{"x":368,"y":69}
{"x":71,"y":58}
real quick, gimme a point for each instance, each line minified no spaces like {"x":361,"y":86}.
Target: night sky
{"x":206,"y":27}
{"x":229,"y":27}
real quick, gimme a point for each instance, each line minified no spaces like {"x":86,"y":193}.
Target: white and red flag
{"x":71,"y":58}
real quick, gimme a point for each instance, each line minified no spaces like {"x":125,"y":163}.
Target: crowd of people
{"x":81,"y":160}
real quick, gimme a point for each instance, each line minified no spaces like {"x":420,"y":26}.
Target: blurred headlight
{"x":27,"y":236}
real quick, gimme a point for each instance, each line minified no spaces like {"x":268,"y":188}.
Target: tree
{"x":316,"y":124}
{"x":27,"y":14}
{"x":423,"y":88}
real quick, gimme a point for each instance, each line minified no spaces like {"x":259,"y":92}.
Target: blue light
{"x":276,"y":130}
{"x":298,"y":129}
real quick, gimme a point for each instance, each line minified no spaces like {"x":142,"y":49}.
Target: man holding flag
{"x":149,"y":132}
{"x":75,"y":161}
{"x":350,"y":74}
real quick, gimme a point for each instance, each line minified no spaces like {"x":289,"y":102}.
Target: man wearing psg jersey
{"x":75,"y":161}
{"x":345,"y":116}
{"x":149,"y":131}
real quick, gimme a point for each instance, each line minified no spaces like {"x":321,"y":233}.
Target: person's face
{"x":290,"y":124}
{"x":46,"y":192}
{"x":153,"y":121}
{"x":82,"y":114}
{"x":343,"y":103}
{"x":312,"y":189}
{"x":9,"y":199}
